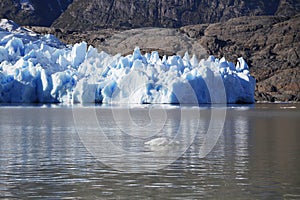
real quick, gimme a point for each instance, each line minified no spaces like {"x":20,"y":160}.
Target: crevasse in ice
{"x":39,"y":68}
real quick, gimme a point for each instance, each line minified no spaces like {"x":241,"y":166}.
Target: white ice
{"x":39,"y":68}
{"x":161,"y":141}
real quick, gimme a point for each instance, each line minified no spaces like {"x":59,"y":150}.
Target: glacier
{"x":38,"y":68}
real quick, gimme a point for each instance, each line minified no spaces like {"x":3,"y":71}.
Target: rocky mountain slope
{"x":33,"y":12}
{"x":95,"y":14}
{"x":271,"y":46}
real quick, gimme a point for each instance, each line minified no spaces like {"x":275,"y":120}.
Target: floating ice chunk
{"x":161,"y":141}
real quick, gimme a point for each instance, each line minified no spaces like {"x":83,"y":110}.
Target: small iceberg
{"x":161,"y":142}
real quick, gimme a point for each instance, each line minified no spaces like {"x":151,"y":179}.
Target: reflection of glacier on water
{"x":241,"y":131}
{"x":256,"y":156}
{"x":124,"y":136}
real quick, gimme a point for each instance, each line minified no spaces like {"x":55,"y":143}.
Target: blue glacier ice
{"x":41,"y":69}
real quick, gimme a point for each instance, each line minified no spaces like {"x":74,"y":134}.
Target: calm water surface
{"x":43,"y":156}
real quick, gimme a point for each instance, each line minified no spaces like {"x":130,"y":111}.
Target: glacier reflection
{"x":256,"y":155}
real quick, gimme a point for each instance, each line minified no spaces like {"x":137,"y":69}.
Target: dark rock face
{"x":126,"y":14}
{"x":33,"y":12}
{"x":271,"y":46}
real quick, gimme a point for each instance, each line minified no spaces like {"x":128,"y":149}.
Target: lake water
{"x":99,"y":152}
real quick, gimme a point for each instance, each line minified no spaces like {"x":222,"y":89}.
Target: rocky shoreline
{"x":269,"y":44}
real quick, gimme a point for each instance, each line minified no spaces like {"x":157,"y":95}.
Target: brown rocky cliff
{"x":271,"y":46}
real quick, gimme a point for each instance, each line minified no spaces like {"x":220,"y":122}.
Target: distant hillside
{"x":126,"y":14}
{"x":33,"y":12}
{"x":96,"y":14}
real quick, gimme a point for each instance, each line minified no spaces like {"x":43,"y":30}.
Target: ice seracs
{"x":39,"y":68}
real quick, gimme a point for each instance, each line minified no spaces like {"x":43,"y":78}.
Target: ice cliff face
{"x":38,"y":68}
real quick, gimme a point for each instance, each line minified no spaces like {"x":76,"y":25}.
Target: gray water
{"x":46,"y":153}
